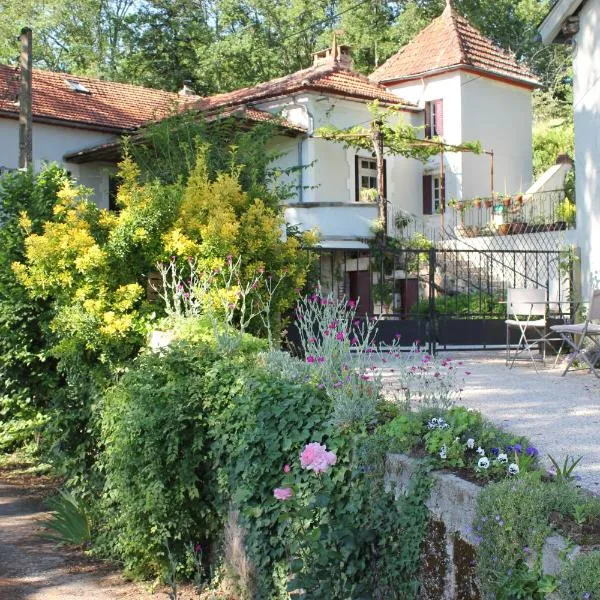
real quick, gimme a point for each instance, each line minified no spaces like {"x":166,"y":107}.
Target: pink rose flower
{"x":315,"y":457}
{"x":283,"y":493}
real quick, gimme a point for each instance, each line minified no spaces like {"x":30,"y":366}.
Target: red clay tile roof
{"x":109,"y":106}
{"x":113,"y":151}
{"x":328,"y":78}
{"x":451,"y":41}
{"x":122,"y":107}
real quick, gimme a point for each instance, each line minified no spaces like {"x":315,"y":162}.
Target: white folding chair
{"x":576,"y":335}
{"x":526,"y":312}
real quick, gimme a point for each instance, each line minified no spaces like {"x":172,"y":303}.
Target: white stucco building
{"x":577,"y":22}
{"x":72,"y":113}
{"x":450,"y":81}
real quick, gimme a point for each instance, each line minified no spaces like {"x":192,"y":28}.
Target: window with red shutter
{"x":427,"y":195}
{"x":434,"y":118}
{"x":428,"y":120}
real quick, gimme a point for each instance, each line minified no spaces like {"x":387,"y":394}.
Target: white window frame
{"x":370,"y":172}
{"x":436,"y":192}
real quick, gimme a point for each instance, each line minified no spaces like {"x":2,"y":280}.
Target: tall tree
{"x":166,"y":40}
{"x":83,"y":37}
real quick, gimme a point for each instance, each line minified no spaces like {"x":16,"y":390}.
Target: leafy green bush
{"x":194,"y":435}
{"x":483,"y":305}
{"x":512,"y":524}
{"x":157,"y":486}
{"x":28,"y":375}
{"x":580,"y":580}
{"x":548,"y":143}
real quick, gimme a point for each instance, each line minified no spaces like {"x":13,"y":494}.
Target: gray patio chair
{"x":576,"y":335}
{"x":526,"y":313}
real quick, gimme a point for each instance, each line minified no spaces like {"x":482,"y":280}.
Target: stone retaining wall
{"x":448,"y":571}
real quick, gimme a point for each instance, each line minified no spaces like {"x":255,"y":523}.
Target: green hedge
{"x":194,"y":434}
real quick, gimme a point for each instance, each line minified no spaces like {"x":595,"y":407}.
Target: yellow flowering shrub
{"x":95,"y":263}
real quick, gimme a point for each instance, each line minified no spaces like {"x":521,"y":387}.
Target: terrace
{"x":503,"y":215}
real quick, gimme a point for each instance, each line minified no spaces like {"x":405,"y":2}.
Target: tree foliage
{"x":226,"y":44}
{"x":27,"y":376}
{"x":92,"y":266}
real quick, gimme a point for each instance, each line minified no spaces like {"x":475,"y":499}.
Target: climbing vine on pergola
{"x":387,"y":133}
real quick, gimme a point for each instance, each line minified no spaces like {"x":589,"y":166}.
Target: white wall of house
{"x":586,"y":101}
{"x":329,"y":175}
{"x":496,"y":113}
{"x":499,"y":115}
{"x":446,"y":87}
{"x":50,"y":144}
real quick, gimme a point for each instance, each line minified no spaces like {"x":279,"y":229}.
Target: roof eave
{"x":465,"y":67}
{"x":111,"y":151}
{"x":550,"y":27}
{"x":400,"y":104}
{"x":5,"y":114}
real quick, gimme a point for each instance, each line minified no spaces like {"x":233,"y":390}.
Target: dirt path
{"x":34,"y":569}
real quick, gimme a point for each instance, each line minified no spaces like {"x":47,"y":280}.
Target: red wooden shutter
{"x":356,"y":181}
{"x":427,"y":195}
{"x":439,"y":117}
{"x":428,"y":120}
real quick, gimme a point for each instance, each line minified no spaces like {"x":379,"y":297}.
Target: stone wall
{"x":448,"y":556}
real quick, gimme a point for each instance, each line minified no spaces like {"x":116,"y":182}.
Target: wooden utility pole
{"x":25,"y":110}
{"x":377,"y":137}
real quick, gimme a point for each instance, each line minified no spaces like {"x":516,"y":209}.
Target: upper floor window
{"x":434,"y":118}
{"x":366,"y":179}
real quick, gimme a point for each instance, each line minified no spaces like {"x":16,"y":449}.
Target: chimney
{"x":338,"y":55}
{"x":25,"y":112}
{"x":186,"y":90}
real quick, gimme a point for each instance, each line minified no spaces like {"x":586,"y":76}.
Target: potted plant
{"x":518,"y":226}
{"x":504,"y":228}
{"x":489,"y":202}
{"x":368,"y":195}
{"x":535,"y":225}
{"x":564,"y":214}
{"x":506,"y":201}
{"x":401,"y":221}
{"x":519,"y":199}
{"x":476,"y":203}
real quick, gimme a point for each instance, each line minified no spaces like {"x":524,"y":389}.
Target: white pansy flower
{"x":480,"y":451}
{"x":443,"y":452}
{"x":513,"y":469}
{"x":470,"y":443}
{"x":502,"y":458}
{"x":483,"y":463}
